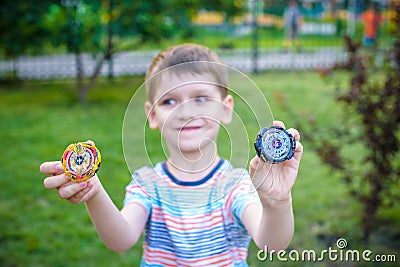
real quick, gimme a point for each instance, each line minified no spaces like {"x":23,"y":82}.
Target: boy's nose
{"x":187,"y":110}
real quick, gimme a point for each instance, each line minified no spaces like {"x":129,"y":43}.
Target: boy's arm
{"x":119,"y":230}
{"x":271,"y":224}
{"x":271,"y":227}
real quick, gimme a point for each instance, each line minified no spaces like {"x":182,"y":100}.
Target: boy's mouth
{"x":189,"y":128}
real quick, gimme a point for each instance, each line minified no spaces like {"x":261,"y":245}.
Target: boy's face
{"x":188,"y":111}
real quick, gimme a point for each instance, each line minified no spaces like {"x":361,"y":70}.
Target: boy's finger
{"x":257,"y":164}
{"x":82,"y":195}
{"x":51,"y":167}
{"x":55,"y":181}
{"x":299,"y":147}
{"x":70,"y":190}
{"x":295,"y":133}
{"x":279,"y":124}
{"x":254,"y":162}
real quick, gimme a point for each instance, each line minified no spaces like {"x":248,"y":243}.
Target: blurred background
{"x":69,"y":68}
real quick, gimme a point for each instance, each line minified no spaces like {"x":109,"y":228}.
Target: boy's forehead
{"x":170,"y":81}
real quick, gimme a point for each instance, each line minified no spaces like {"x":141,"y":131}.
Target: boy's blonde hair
{"x":186,"y":53}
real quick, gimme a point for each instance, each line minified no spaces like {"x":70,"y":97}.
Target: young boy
{"x":187,"y":102}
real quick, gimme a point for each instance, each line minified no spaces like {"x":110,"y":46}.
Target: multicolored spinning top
{"x":81,"y":161}
{"x":274,"y":144}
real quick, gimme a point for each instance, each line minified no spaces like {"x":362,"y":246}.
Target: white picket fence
{"x":136,"y":62}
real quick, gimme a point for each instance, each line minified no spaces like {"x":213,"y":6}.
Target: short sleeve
{"x":243,"y":195}
{"x":134,"y":193}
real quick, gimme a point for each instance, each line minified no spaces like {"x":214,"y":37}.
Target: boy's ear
{"x":228,"y":109}
{"x":151,"y":116}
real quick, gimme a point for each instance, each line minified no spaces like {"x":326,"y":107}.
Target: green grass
{"x":39,"y":119}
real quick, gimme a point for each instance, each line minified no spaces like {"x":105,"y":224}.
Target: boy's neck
{"x":187,"y":170}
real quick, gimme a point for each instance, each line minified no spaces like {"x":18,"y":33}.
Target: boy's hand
{"x":275,"y":181}
{"x":73,"y":192}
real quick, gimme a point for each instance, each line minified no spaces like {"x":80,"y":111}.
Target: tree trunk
{"x":109,"y":54}
{"x":15,"y":67}
{"x":96,"y":71}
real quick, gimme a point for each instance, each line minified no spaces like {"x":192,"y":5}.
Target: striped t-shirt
{"x":193,"y":223}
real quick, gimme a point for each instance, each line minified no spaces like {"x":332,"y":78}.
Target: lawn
{"x":38,"y":119}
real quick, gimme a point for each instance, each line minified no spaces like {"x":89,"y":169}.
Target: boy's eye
{"x":168,"y":102}
{"x":200,"y":99}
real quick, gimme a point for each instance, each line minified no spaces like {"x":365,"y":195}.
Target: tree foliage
{"x":21,"y":27}
{"x":155,"y":20}
{"x":228,"y":7}
{"x":75,"y":25}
